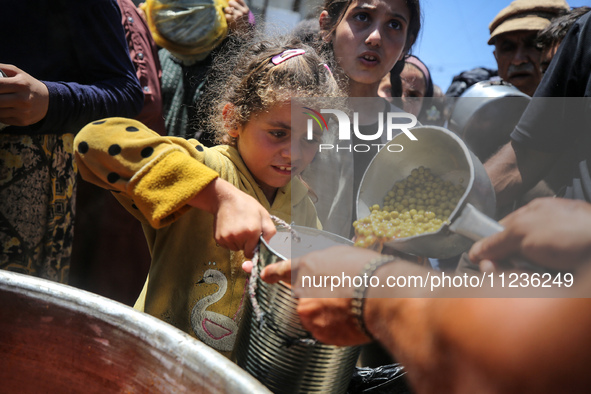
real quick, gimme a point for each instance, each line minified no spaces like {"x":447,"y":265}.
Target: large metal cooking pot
{"x":485,"y":114}
{"x":272,"y":344}
{"x":448,"y":157}
{"x":58,"y":339}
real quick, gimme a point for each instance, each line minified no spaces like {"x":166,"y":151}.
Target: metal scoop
{"x":448,"y":157}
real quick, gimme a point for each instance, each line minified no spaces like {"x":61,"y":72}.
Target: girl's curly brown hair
{"x":253,"y":84}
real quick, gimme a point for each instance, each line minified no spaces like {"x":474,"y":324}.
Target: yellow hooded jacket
{"x":193,"y":283}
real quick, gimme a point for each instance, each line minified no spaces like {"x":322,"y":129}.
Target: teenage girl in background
{"x":365,"y":40}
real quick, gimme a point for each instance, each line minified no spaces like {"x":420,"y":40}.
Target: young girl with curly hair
{"x":201,"y":207}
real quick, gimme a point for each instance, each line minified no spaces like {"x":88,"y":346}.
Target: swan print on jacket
{"x":212,"y":328}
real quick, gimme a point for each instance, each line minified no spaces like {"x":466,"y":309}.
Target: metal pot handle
{"x":475,"y":225}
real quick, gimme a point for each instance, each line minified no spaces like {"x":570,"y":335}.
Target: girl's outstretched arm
{"x":239,"y":219}
{"x":157,"y":179}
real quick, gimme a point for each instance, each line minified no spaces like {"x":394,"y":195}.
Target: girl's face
{"x":370,"y":39}
{"x":414,"y":88}
{"x":271,"y":150}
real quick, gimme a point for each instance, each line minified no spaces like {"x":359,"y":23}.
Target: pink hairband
{"x":420,"y":65}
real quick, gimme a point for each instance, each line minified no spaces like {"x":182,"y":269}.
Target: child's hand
{"x":237,"y":15}
{"x":247,"y":266}
{"x":239,"y":222}
{"x":239,"y":219}
{"x":141,"y":9}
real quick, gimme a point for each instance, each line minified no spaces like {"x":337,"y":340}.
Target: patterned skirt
{"x":37,"y":204}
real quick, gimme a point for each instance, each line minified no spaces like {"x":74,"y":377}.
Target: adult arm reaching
{"x":451,"y":341}
{"x":515,"y":169}
{"x":86,"y":71}
{"x":553,"y":232}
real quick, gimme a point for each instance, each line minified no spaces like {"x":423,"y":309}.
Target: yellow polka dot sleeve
{"x":158,"y":174}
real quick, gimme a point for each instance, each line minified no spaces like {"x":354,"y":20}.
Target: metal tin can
{"x":275,"y":348}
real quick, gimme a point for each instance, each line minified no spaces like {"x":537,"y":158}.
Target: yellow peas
{"x":419,"y":204}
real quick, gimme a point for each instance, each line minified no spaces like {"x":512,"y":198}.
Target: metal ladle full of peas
{"x":453,"y":195}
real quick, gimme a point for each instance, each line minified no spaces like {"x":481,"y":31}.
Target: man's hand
{"x":239,"y":219}
{"x":24,"y":100}
{"x":551,"y":232}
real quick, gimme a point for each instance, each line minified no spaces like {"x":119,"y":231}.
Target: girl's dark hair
{"x":253,"y":83}
{"x":395,"y":80}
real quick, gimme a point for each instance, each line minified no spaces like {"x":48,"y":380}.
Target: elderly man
{"x":513,"y":32}
{"x":556,"y":121}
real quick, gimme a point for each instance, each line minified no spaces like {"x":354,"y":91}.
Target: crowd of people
{"x":149,"y":150}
